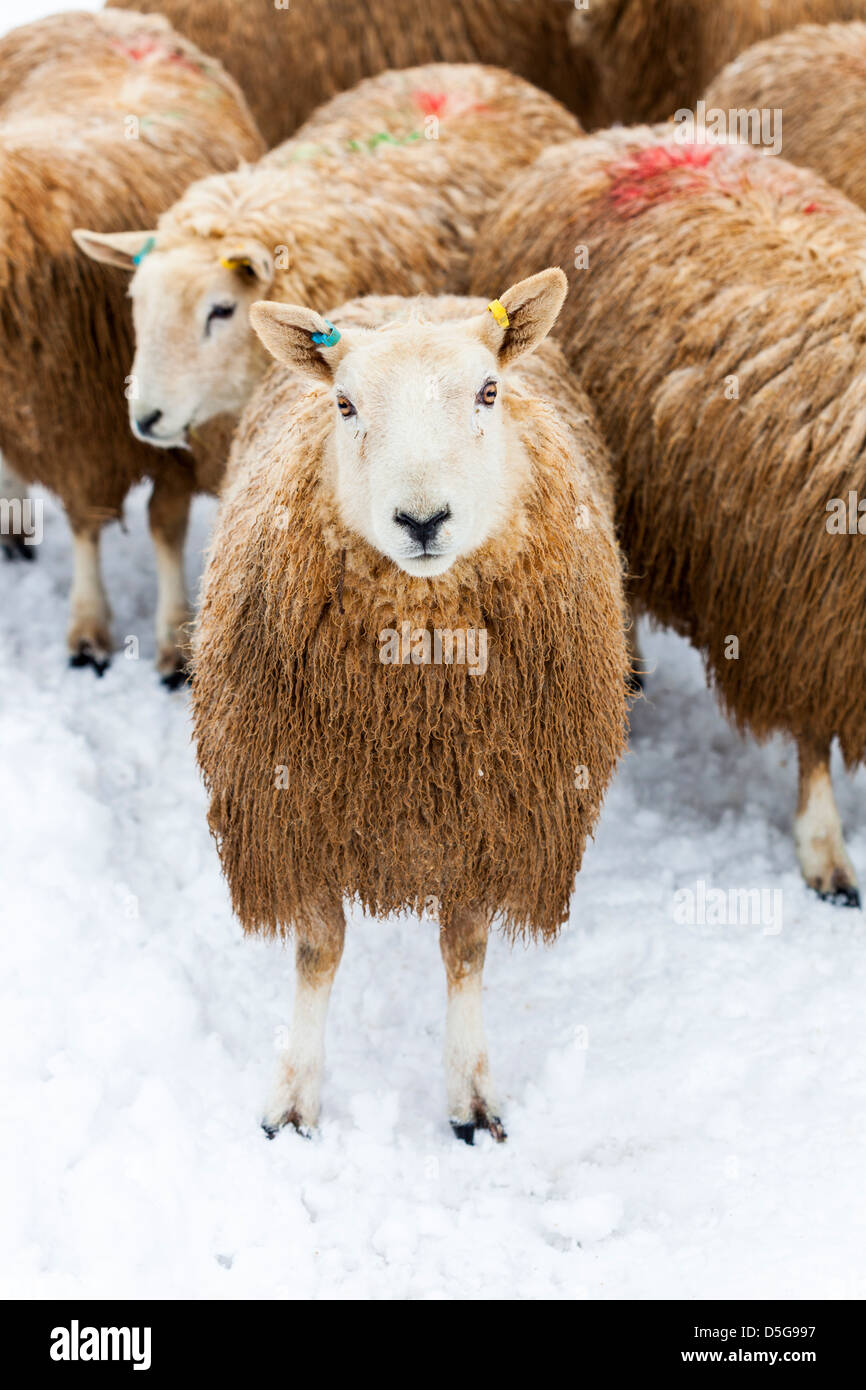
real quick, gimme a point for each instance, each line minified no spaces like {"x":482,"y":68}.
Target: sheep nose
{"x":422,"y":531}
{"x":145,"y":423}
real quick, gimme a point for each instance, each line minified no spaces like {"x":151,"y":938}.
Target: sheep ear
{"x":523,"y":316}
{"x":299,"y":338}
{"x":123,"y":249}
{"x":250,"y":260}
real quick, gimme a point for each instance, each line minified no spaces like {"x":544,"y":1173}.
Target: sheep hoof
{"x":175,"y":679}
{"x":293,"y":1119}
{"x":466,"y":1130}
{"x":85,"y":654}
{"x":842,"y":895}
{"x":15,"y":548}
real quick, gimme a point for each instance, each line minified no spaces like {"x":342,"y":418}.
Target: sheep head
{"x":195,"y":356}
{"x":424,"y":465}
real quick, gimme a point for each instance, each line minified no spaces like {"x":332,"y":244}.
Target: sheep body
{"x":814,"y":75}
{"x":645,"y":59}
{"x":719,"y":327}
{"x":327,"y":46}
{"x":71,"y":87}
{"x":402,"y":785}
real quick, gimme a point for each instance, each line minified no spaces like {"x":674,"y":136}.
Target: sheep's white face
{"x":422,"y":470}
{"x":424,"y":465}
{"x":196,"y":355}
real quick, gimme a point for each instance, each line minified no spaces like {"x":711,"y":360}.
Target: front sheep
{"x":380,"y":193}
{"x":718,"y":323}
{"x":410,"y":665}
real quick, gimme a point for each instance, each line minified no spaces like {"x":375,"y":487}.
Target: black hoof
{"x":16,"y":548}
{"x":846,"y":896}
{"x":175,"y":679}
{"x":292,"y":1121}
{"x":271,"y":1131}
{"x":464,"y":1132}
{"x":86,"y":656}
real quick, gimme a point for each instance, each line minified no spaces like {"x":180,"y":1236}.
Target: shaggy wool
{"x":816,"y":76}
{"x":411,"y":785}
{"x":719,"y":328}
{"x":70,"y":87}
{"x":361,"y":201}
{"x":641,"y":60}
{"x":288,"y":60}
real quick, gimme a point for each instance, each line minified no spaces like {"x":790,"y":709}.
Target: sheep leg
{"x":471,"y":1103}
{"x":14,"y":493}
{"x":168,"y":514}
{"x":296,"y":1095}
{"x":818,"y":829}
{"x":89,"y":634}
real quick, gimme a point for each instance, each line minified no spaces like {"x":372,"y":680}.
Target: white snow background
{"x":685,"y":1105}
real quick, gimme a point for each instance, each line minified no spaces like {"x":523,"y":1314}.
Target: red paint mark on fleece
{"x":455,"y":103}
{"x":152,"y":48}
{"x":815,"y":207}
{"x":658,"y":174}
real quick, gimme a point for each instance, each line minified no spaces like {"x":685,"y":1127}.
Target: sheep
{"x":435,"y":480}
{"x":438,"y":143}
{"x":718,"y":323}
{"x":642,"y":60}
{"x":289,"y":58}
{"x":105,"y":118}
{"x":814,"y":76}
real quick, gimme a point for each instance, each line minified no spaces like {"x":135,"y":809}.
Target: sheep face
{"x":421,"y":467}
{"x":195,"y":356}
{"x":424,"y":467}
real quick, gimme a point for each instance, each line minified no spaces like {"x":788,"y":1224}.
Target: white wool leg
{"x":471,"y":1098}
{"x":89,"y":633}
{"x":296,"y":1096}
{"x":172,"y":606}
{"x":821,"y":851}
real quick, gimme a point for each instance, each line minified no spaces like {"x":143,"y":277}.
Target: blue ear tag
{"x":145,"y":250}
{"x":327,"y":339}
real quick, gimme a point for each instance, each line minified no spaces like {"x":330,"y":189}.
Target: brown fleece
{"x":68,"y":85}
{"x":290,"y":60}
{"x":713,"y":269}
{"x":407,"y":783}
{"x":816,"y":76}
{"x":641,"y":60}
{"x":357,"y":214}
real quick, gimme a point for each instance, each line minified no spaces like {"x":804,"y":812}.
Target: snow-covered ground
{"x":686,"y":1104}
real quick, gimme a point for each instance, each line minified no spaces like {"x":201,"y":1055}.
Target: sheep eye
{"x":345,"y":407}
{"x":218,"y":311}
{"x":487,"y":394}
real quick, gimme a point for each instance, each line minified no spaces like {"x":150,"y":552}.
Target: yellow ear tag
{"x":234,"y":262}
{"x":497,"y":309}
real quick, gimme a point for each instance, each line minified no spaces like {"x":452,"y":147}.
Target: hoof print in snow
{"x":86,"y":655}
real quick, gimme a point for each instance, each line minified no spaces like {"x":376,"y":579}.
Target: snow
{"x":685,"y":1104}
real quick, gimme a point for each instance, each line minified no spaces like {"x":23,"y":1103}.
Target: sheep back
{"x":719,"y":328}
